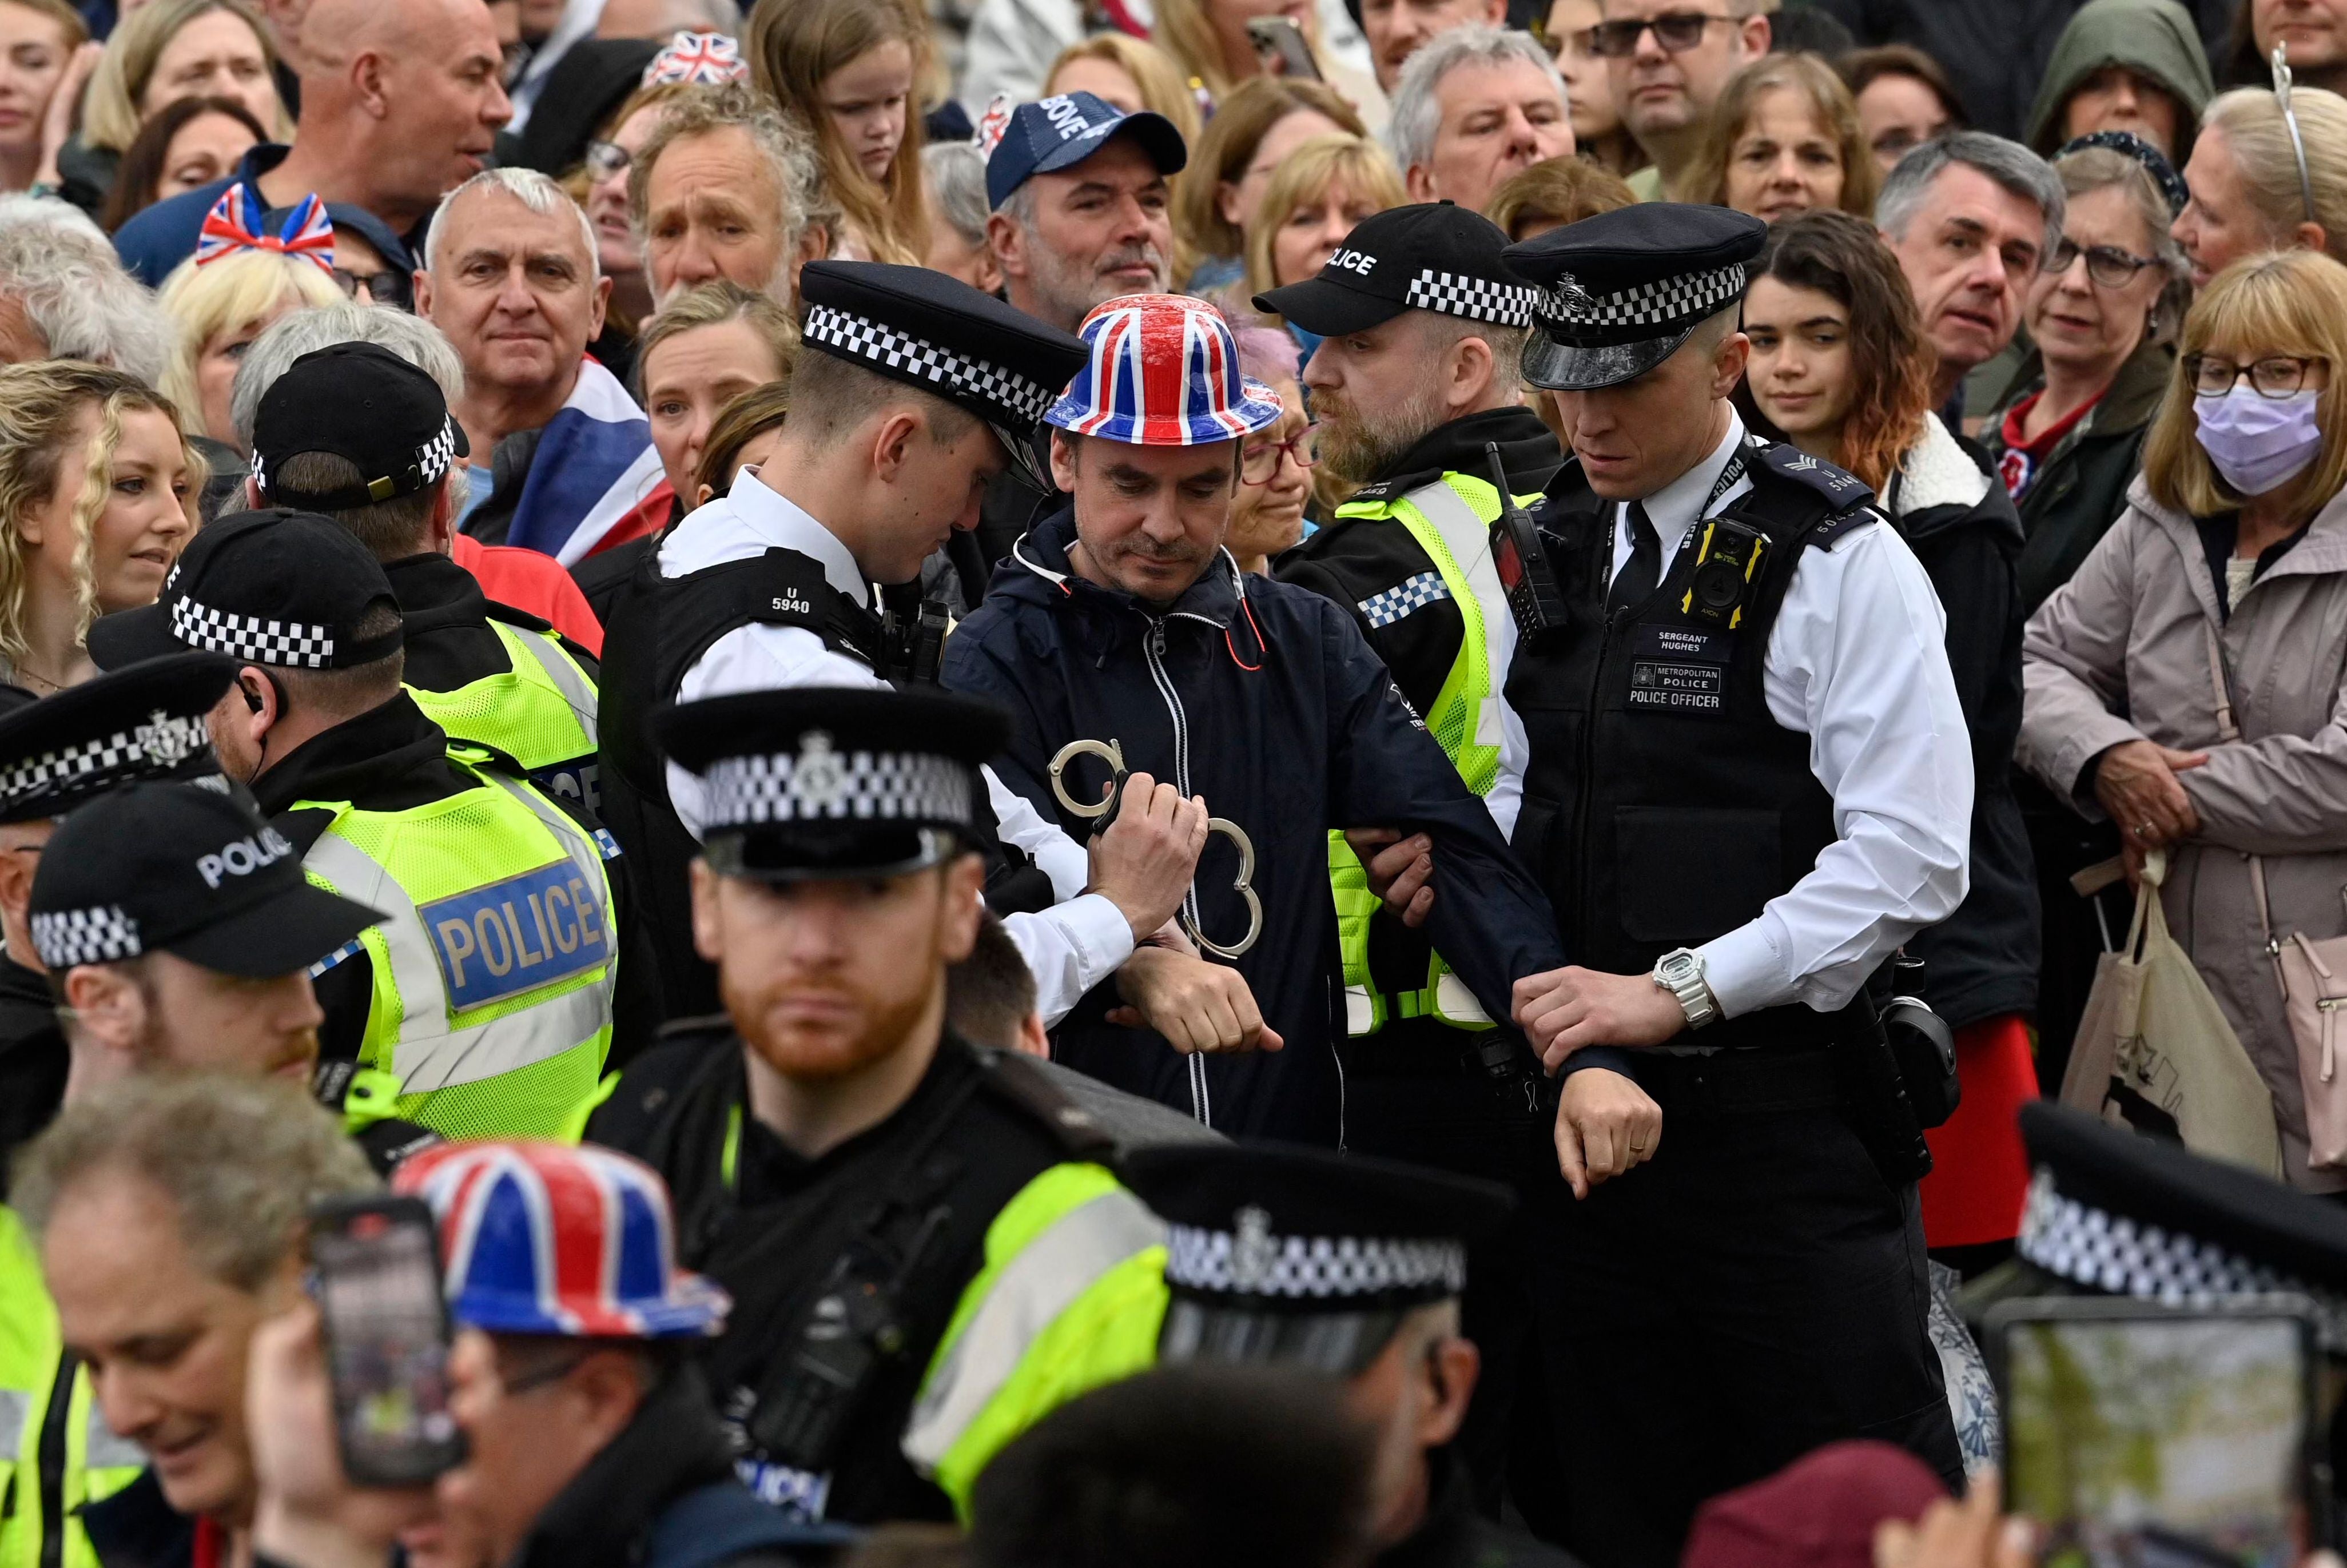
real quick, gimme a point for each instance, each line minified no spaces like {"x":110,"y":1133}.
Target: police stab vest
{"x":56,"y":1453}
{"x":493,"y":967}
{"x":540,"y":712}
{"x":1450,"y":518}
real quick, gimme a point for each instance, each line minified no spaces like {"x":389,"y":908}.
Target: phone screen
{"x":2174,"y":1440}
{"x":386,"y":1343}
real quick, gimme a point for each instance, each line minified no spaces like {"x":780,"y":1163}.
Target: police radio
{"x":912,"y":635}
{"x":1726,"y":568}
{"x":1523,"y":565}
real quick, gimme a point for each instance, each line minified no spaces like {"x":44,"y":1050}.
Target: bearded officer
{"x":1748,"y":782}
{"x":923,"y":1251}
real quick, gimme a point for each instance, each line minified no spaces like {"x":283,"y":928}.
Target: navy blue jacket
{"x":162,"y":236}
{"x":1265,"y":699}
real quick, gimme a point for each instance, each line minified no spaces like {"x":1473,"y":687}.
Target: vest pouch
{"x":1686,"y":873}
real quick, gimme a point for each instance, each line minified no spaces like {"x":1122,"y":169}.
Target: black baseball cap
{"x":143,"y":722}
{"x":826,"y":782}
{"x":1060,"y":132}
{"x":361,"y":402}
{"x":1435,"y":256}
{"x":182,"y":869}
{"x":1306,"y":1257}
{"x":272,"y":587}
{"x":1622,"y":291}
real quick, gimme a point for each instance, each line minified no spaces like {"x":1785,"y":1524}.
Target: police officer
{"x":911,"y":390}
{"x":486,"y":992}
{"x":1351,"y":1266}
{"x":354,"y":433}
{"x":922,"y":1254}
{"x":1748,"y":782}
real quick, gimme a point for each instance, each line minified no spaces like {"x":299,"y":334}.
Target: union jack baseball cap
{"x":1162,"y":370}
{"x":546,"y":1238}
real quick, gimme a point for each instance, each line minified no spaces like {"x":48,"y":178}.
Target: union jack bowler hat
{"x":547,"y":1238}
{"x":1162,"y":370}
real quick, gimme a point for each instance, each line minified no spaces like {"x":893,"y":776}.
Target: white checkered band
{"x":64,"y":938}
{"x":819,"y":783}
{"x":1382,"y":610}
{"x":435,"y":455}
{"x":1021,"y":401}
{"x":1478,"y":298}
{"x":1318,"y":1267}
{"x":285,"y":643}
{"x":1663,"y":304}
{"x":163,"y":742}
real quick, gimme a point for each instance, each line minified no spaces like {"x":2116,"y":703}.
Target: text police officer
{"x":1749,"y":780}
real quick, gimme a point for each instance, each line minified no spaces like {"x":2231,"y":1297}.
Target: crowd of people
{"x":1323,"y":781}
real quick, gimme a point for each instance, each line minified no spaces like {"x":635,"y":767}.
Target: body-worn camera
{"x":1725,"y":570}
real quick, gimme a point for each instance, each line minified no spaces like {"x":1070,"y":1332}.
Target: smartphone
{"x":2136,"y":1434}
{"x":1282,"y":47}
{"x":386,"y":1327}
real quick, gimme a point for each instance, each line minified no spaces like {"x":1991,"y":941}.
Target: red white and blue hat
{"x":545,"y":1238}
{"x":1162,"y":370}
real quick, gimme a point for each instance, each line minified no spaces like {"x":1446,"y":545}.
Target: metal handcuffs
{"x":1113,"y":754}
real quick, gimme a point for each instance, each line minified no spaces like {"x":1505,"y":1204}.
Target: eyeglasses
{"x":1259,"y":460}
{"x":606,"y":159}
{"x":2290,"y":118}
{"x":382,"y":288}
{"x":2106,"y":264}
{"x":1677,"y":33}
{"x":2276,"y":375}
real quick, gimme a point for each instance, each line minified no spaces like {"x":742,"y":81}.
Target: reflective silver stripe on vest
{"x":428,"y":1055}
{"x":1047,"y":1277}
{"x":16,"y":1410}
{"x":1469,"y":539}
{"x":568,"y":678}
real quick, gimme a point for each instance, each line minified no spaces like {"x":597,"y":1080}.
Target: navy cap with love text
{"x":1059,"y":132}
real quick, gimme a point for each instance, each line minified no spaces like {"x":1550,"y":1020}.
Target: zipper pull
{"x":1157,"y":638}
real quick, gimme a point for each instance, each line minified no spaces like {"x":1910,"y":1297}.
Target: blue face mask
{"x":2259,"y":444}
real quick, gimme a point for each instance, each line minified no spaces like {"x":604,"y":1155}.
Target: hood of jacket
{"x":2153,"y":38}
{"x":1943,"y":482}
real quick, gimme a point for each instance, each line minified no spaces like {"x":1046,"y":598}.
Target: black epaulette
{"x":1842,"y":489}
{"x":388,"y":1142}
{"x":1016,"y":1080}
{"x":1842,"y":526}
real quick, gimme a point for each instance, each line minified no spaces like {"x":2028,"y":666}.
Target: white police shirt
{"x":1070,"y":946}
{"x":1858,"y":662}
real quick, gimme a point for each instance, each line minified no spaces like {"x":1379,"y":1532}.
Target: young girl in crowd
{"x":852,"y":70}
{"x":1783,"y":139}
{"x":714,"y":343}
{"x":97,"y":497}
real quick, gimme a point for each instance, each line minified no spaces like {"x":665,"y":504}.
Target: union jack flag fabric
{"x":596,"y":481}
{"x":546,"y":1239}
{"x":235,"y":225}
{"x":705,"y":58}
{"x":1163,"y":372}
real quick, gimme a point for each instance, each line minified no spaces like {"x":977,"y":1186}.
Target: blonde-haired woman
{"x":1232,"y":162}
{"x":2244,"y":176}
{"x":164,"y":51}
{"x":1326,"y":187}
{"x":1784,"y":139}
{"x":709,"y":344}
{"x":1130,"y":72}
{"x":97,"y":496}
{"x":219,"y":306}
{"x":852,"y":70}
{"x":2227,"y":572}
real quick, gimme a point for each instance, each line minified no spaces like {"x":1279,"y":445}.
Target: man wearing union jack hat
{"x":1122,"y":620}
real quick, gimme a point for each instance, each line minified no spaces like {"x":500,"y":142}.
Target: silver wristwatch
{"x":1680,"y":972}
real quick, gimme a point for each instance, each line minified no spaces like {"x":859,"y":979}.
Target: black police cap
{"x":143,"y":722}
{"x":1283,"y":1252}
{"x":1621,"y":291}
{"x":182,"y":869}
{"x":277,"y":586}
{"x":361,"y":402}
{"x":1432,"y":257}
{"x":936,"y":332}
{"x":826,"y":782}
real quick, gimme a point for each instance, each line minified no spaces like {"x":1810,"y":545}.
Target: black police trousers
{"x":1754,"y":1291}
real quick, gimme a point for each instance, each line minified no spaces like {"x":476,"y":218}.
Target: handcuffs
{"x":1100,"y":812}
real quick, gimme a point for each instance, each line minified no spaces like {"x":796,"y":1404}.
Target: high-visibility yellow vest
{"x":540,"y":712}
{"x":495,"y":967}
{"x":1451,"y":519}
{"x":53,"y":1460}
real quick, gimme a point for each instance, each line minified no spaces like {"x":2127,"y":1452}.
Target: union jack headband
{"x":234,"y":226}
{"x":705,"y":59}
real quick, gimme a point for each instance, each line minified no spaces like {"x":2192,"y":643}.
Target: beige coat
{"x":2120,"y":653}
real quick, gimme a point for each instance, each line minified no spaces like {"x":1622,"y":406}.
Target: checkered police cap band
{"x":1320,"y":1269}
{"x":1014,"y":399}
{"x":1477,"y":299}
{"x":433,"y":460}
{"x":283,"y":642}
{"x":64,"y":938}
{"x":162,"y":743}
{"x":818,"y":783}
{"x":1664,"y":305}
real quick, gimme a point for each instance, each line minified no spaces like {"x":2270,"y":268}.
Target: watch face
{"x":1676,"y":967}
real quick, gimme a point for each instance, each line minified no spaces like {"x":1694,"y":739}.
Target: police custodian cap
{"x":1432,"y":257}
{"x":1303,"y":1256}
{"x":826,"y":782}
{"x":176,"y":868}
{"x":1620,"y":291}
{"x":143,"y":722}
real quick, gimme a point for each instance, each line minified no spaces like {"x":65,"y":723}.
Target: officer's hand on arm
{"x":1567,"y":1009}
{"x":1198,"y":1006}
{"x":309,"y":1514}
{"x":1401,"y":872}
{"x":1604,"y":1125}
{"x":1145,"y":861}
